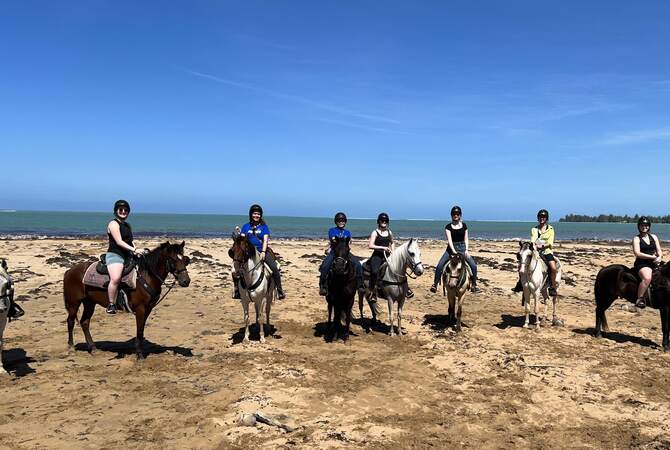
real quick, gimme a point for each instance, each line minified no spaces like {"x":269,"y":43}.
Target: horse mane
{"x":153,"y":258}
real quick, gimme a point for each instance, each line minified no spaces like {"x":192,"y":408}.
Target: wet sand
{"x":495,"y":385}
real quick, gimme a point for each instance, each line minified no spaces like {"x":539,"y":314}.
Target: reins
{"x":151,"y":291}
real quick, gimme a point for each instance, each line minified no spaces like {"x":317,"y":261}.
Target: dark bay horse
{"x":618,"y":281}
{"x":342,"y":288}
{"x":153,"y":268}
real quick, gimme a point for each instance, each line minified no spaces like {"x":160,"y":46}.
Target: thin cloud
{"x":637,"y":137}
{"x":359,"y":126}
{"x":295,"y":98}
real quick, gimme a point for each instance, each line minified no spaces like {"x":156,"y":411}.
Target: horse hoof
{"x":262,"y":340}
{"x":666,"y":348}
{"x":245,"y":340}
{"x":92,"y":350}
{"x":525,"y":325}
{"x":557,"y":322}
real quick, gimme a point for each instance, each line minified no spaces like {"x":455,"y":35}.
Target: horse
{"x":618,"y":281}
{"x":455,"y":283}
{"x":256,"y":284}
{"x":393,"y":282}
{"x":533,"y":273}
{"x":5,"y":301}
{"x":341,"y":288}
{"x":153,"y":268}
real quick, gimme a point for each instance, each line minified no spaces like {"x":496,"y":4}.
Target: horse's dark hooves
{"x":666,"y":348}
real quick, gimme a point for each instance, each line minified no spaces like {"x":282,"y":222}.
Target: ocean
{"x":44,"y":224}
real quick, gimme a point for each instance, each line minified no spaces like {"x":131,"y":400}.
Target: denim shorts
{"x":113,"y":258}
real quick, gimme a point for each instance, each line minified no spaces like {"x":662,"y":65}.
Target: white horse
{"x":533,"y":273}
{"x":394,"y":282}
{"x":255,"y":285}
{"x":5,"y":286}
{"x":455,"y":283}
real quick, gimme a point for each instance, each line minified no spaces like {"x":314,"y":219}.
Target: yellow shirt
{"x":547,"y":236}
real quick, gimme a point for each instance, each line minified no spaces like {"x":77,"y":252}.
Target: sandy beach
{"x":495,"y":385}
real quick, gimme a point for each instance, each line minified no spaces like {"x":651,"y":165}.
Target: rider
{"x":381,"y":241}
{"x":542,"y":237}
{"x":120,"y":248}
{"x":457,"y":241}
{"x":338,"y":232}
{"x":258,"y":235}
{"x":648,"y":254}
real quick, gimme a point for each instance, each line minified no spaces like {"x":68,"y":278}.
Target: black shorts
{"x":547,"y":258}
{"x":640,"y":263}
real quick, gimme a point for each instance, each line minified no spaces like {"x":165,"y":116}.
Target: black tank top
{"x":457,"y":235}
{"x":648,"y":249}
{"x":126,"y":236}
{"x":382,"y":241}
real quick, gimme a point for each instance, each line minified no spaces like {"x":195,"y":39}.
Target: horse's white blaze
{"x":532,"y":272}
{"x":262,"y":296}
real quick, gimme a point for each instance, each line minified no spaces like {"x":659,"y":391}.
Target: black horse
{"x":341,"y":288}
{"x":618,"y":281}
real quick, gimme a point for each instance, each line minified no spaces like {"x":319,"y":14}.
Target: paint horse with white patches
{"x":455,"y":283}
{"x":256,"y":284}
{"x":5,"y":302}
{"x":392,"y":284}
{"x":533,"y":273}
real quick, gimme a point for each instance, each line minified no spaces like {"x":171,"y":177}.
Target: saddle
{"x":101,"y":266}
{"x":93,"y":277}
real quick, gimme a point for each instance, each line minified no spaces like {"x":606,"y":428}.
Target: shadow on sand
{"x":16,"y":362}
{"x":619,"y":338}
{"x":123,"y":349}
{"x":254,"y":333}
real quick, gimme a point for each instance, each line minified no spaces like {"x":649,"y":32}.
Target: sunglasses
{"x":122,"y":209}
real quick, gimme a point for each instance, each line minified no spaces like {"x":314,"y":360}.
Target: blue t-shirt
{"x":336,"y":232}
{"x":255,"y":234}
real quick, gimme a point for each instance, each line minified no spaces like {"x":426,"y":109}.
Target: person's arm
{"x":659,"y":252}
{"x":115,"y":230}
{"x":467,"y":242}
{"x":549,"y":242}
{"x":266,"y":239}
{"x":450,"y":243}
{"x":392,"y":246}
{"x":534,"y":234}
{"x":371,"y":243}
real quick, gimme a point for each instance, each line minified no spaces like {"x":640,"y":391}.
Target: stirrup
{"x":433,"y":288}
{"x":641,"y":303}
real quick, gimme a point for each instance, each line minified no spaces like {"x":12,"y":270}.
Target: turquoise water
{"x":30,"y":224}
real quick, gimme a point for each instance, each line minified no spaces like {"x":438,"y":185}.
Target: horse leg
{"x":3,"y":324}
{"x":347,"y":328}
{"x":85,"y":322}
{"x":390,"y":304}
{"x":459,"y":310}
{"x":259,"y":318}
{"x":268,"y":308}
{"x":71,"y":318}
{"x":535,"y":309}
{"x":526,"y":296}
{"x":140,"y":321}
{"x":665,"y":326}
{"x":401,"y":303}
{"x":245,"y":309}
{"x":451,"y":318}
{"x":555,"y":321}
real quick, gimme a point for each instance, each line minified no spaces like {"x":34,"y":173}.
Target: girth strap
{"x":256,"y":284}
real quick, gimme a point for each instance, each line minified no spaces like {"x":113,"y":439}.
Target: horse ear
{"x":411,"y":240}
{"x":532,"y":246}
{"x":165,"y":244}
{"x":520,"y":244}
{"x":347,"y":240}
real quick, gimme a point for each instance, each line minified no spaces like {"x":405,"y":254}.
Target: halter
{"x":461,"y":278}
{"x":151,"y":291}
{"x":258,"y":282}
{"x":534,"y":255}
{"x":402,"y":278}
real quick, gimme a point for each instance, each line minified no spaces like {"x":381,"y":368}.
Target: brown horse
{"x":153,"y":268}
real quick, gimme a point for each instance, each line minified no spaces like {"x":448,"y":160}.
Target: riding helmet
{"x":456,"y":210}
{"x":255,"y":208}
{"x":340,"y":216}
{"x":121,"y":204}
{"x":383,"y":217}
{"x":644,"y":220}
{"x":543,"y":213}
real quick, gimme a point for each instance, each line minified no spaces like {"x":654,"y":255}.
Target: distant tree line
{"x":612,"y":218}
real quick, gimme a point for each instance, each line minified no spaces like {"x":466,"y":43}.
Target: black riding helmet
{"x":644,"y":220}
{"x":340,"y":216}
{"x":543,"y":213}
{"x":121,"y":204}
{"x":383,"y":216}
{"x":255,"y":208}
{"x":456,"y":210}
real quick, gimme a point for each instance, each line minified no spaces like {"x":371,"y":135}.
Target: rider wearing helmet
{"x":381,"y":242}
{"x":542,"y":237}
{"x":648,"y":255}
{"x":457,"y":242}
{"x":120,"y":248}
{"x":258,"y":234}
{"x":337,"y":232}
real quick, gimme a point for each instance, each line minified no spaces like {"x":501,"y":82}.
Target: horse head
{"x":176,"y":262}
{"x":454,"y":270}
{"x":525,"y":254}
{"x":414,"y":257}
{"x":242,"y":250}
{"x":5,"y":286}
{"x":341,"y":253}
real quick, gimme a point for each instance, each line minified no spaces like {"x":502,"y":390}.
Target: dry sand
{"x":495,"y":385}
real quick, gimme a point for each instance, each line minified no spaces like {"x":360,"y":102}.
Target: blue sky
{"x":311,"y":107}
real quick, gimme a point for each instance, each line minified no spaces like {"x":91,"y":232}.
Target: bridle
{"x":245,"y":271}
{"x":171,"y":267}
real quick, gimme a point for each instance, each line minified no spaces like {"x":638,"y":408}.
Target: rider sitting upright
{"x":542,"y":237}
{"x":648,"y":254}
{"x":381,"y":242}
{"x":258,"y":234}
{"x":337,"y":232}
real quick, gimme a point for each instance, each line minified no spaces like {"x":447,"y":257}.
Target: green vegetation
{"x":612,"y":218}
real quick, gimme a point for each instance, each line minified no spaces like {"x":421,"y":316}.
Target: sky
{"x":314,"y":107}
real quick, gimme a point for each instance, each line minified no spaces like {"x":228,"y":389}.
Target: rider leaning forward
{"x":648,"y":255}
{"x":381,"y":242}
{"x":542,"y":237}
{"x":258,"y":234}
{"x":120,"y":249}
{"x":457,"y":242}
{"x":337,"y":232}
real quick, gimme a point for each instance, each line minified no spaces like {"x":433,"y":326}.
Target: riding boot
{"x":410,"y":293}
{"x":323,"y":289}
{"x":640,"y":303}
{"x":236,"y":287}
{"x":276,"y":276}
{"x":552,"y":290}
{"x":518,"y":287}
{"x":15,"y":311}
{"x":473,"y":287}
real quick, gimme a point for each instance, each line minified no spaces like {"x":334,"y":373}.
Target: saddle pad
{"x":94,"y":279}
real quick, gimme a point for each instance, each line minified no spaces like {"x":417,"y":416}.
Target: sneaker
{"x":410,"y":293}
{"x":475,"y":290}
{"x":323,"y":291}
{"x":640,"y":303}
{"x":433,"y":289}
{"x":111,"y":309}
{"x":280,"y":295}
{"x":518,"y":287}
{"x":236,"y":294}
{"x":552,"y":291}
